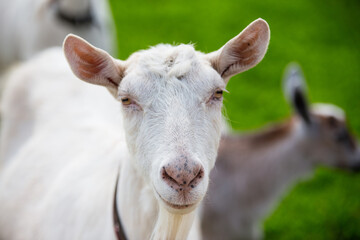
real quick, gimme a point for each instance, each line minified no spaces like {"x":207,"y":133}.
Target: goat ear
{"x":92,"y":64}
{"x":295,"y":91}
{"x":243,"y":51}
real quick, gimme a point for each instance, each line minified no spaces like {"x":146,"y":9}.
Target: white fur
{"x":28,"y":26}
{"x":64,"y":141}
{"x":326,"y":109}
{"x":57,"y":132}
{"x":70,"y":135}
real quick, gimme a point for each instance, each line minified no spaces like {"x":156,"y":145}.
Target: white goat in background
{"x":28,"y":26}
{"x":253,"y":171}
{"x":63,"y":142}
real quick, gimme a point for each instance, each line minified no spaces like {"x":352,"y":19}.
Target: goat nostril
{"x":197,"y":178}
{"x":182,"y":179}
{"x":167,"y":177}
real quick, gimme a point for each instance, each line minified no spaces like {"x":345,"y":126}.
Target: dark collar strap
{"x":119,"y":230}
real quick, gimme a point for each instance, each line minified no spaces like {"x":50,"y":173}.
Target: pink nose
{"x":182,"y":175}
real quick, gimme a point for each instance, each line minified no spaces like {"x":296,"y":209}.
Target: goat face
{"x":171,"y":101}
{"x":335,"y":146}
{"x":172,"y":116}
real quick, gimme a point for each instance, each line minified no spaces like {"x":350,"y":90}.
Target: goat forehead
{"x":325,"y":109}
{"x":166,"y":61}
{"x":165,"y":54}
{"x":165,"y":70}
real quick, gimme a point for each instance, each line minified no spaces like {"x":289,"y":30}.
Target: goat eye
{"x":126,"y":101}
{"x":218,"y":94}
{"x":332,"y":122}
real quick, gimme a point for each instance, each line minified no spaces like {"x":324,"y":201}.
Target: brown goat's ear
{"x":295,"y":91}
{"x":92,"y":64}
{"x":243,"y":51}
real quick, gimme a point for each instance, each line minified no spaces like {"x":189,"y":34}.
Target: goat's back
{"x":59,"y":140}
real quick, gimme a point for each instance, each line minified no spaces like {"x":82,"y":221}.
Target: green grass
{"x":323,"y":36}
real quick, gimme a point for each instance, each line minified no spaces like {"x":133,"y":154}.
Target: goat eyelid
{"x":127,"y":101}
{"x":217,"y":94}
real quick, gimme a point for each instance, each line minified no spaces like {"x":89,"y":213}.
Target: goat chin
{"x":171,"y":225}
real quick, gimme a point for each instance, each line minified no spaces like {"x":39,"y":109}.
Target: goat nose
{"x":182,"y":176}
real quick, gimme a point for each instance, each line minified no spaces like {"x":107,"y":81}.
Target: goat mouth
{"x":176,"y":206}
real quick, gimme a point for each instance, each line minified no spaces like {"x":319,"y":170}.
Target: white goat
{"x":28,"y":26}
{"x":63,"y":142}
{"x":253,"y":171}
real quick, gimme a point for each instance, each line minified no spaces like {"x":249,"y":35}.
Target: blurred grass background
{"x":323,"y":36}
